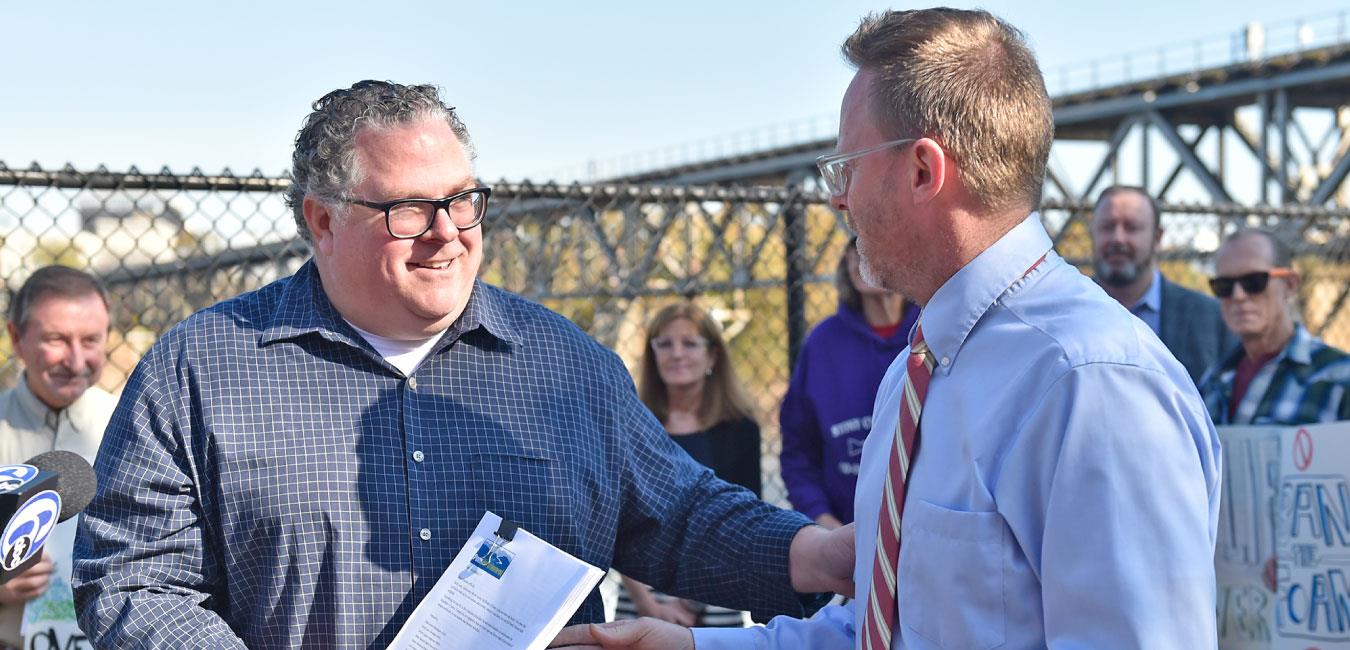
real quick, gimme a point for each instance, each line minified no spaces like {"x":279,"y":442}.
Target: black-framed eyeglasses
{"x":412,"y":218}
{"x":1252,"y":283}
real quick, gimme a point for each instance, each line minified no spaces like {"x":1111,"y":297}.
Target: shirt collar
{"x":35,"y":410}
{"x":304,"y":308}
{"x":1152,"y":298}
{"x":32,"y":407}
{"x":1298,"y":350}
{"x":962,"y":301}
{"x":1301,"y":346}
{"x":487,"y":309}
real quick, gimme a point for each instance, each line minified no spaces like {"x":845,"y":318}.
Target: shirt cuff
{"x":728,"y":638}
{"x":768,"y":571}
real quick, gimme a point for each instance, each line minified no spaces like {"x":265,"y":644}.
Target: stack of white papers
{"x":494,"y":596}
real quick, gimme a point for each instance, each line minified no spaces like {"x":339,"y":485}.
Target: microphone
{"x":75,"y":480}
{"x":35,"y":496}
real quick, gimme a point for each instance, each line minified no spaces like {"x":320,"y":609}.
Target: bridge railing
{"x":1254,"y":44}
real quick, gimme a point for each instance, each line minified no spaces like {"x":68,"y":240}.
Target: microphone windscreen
{"x":75,"y":480}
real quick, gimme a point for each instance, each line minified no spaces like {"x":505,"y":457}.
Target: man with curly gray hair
{"x":296,"y":467}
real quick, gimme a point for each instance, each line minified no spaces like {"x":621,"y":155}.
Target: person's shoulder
{"x":835,"y":330}
{"x":224,"y":322}
{"x":1173,"y":292}
{"x":526,"y":317}
{"x":542,"y":330}
{"x":1080,"y":324}
{"x":1331,"y":364}
{"x":7,"y":399}
{"x":832,"y":325}
{"x":99,"y":399}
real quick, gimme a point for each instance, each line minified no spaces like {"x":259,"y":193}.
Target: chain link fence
{"x":761,"y":260}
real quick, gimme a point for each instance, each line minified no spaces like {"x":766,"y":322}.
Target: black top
{"x":730,"y":448}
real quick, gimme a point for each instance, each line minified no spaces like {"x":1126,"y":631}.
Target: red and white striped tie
{"x":879,"y":621}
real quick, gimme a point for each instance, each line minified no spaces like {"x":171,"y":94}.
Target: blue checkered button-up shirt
{"x":269,"y":478}
{"x":1307,"y":383}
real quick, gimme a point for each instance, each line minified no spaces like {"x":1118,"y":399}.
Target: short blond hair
{"x":968,"y":80}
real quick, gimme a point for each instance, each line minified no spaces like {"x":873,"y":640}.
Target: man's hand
{"x":28,"y":585}
{"x":670,"y":611}
{"x":822,"y":560}
{"x":640,"y":634}
{"x":647,"y":604}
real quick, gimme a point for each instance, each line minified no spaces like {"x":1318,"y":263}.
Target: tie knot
{"x":919,"y":351}
{"x":918,"y":346}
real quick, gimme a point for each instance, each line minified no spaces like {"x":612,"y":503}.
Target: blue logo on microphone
{"x":13,"y":477}
{"x":29,"y":528}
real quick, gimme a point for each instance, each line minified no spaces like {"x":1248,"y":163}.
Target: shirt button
{"x":946,"y":361}
{"x":425,"y":534}
{"x":412,"y":383}
{"x":418,"y":456}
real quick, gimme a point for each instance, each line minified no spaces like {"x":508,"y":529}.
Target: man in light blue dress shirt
{"x":1065,"y":491}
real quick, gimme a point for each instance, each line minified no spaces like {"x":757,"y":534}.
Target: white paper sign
{"x":49,"y":619}
{"x":1251,"y":475}
{"x":1312,"y":601}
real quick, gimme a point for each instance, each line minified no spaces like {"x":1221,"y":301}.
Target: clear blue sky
{"x":542,"y":85}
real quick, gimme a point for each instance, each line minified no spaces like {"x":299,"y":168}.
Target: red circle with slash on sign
{"x":1303,"y":449}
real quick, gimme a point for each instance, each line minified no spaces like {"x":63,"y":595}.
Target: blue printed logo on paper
{"x":28,"y":529}
{"x":13,"y":477}
{"x":492,"y":560}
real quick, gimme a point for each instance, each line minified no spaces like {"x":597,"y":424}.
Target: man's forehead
{"x":89,"y":307}
{"x":1123,"y":205}
{"x":857,"y":109}
{"x":1248,"y":251}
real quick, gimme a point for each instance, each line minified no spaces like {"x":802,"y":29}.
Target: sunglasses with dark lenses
{"x":1252,"y":283}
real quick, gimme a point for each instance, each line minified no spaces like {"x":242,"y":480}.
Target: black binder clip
{"x":506,"y":532}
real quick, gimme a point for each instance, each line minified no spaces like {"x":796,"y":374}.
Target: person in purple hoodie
{"x":827,"y":412}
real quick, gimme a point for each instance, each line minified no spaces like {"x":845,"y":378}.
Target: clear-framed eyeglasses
{"x":834,"y":168}
{"x":412,"y":218}
{"x":667,"y":344}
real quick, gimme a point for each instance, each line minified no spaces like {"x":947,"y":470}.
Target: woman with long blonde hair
{"x":687,"y":380}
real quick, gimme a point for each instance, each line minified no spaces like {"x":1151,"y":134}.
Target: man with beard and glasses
{"x":58,"y":325}
{"x":1126,"y":231}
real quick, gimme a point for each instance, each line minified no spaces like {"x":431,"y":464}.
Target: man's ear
{"x":320,"y":219}
{"x":1295,"y":281}
{"x":930,"y":170}
{"x":13,"y":335}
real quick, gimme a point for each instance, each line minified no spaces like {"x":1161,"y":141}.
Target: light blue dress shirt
{"x":1149,"y":307}
{"x":1066,"y":491}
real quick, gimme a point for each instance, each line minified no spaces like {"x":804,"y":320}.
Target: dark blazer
{"x":1193,"y":329}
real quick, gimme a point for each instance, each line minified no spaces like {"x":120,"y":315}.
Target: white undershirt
{"x":404,"y":355}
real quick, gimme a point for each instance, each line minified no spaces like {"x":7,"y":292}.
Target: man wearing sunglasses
{"x":297,"y":466}
{"x":1281,"y":374}
{"x":1126,"y":233}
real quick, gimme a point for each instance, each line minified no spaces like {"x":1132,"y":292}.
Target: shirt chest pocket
{"x":521,"y":481}
{"x":951,"y":581}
